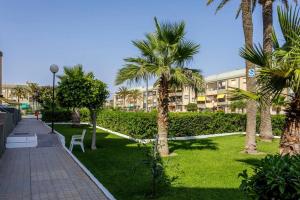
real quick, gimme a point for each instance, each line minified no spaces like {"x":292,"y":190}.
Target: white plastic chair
{"x":77,"y":140}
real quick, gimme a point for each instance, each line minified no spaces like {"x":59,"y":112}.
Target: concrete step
{"x":21,"y":140}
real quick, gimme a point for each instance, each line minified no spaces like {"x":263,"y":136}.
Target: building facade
{"x":215,"y":96}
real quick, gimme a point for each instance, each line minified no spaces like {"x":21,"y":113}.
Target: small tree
{"x":192,"y":107}
{"x":94,"y":101}
{"x":72,"y":89}
{"x":44,"y":97}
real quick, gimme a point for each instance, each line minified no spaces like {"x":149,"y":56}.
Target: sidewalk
{"x":45,"y":172}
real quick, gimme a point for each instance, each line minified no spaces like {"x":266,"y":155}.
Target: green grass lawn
{"x":203,"y":169}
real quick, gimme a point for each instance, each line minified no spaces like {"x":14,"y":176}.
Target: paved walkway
{"x":45,"y":172}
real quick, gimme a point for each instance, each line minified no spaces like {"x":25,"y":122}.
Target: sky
{"x":97,"y":34}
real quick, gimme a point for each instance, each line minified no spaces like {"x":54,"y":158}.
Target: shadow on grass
{"x":250,"y":161}
{"x":194,"y":144}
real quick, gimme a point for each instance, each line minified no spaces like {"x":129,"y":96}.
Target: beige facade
{"x":214,"y":98}
{"x":8,"y":94}
{"x":178,"y":100}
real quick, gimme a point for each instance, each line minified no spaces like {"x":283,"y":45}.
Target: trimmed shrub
{"x":143,"y":125}
{"x":60,"y":115}
{"x":275,"y":177}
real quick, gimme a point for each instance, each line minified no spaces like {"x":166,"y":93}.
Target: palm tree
{"x":165,"y":53}
{"x":246,"y":7}
{"x":281,"y":70}
{"x":139,"y":65}
{"x":278,"y":103}
{"x":33,"y":89}
{"x":20,"y":92}
{"x":135,"y":94}
{"x":123,"y":93}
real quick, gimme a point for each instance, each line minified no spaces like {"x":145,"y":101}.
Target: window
{"x":186,"y":96}
{"x":232,"y":82}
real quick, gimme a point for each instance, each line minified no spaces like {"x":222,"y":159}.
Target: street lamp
{"x":54,"y":69}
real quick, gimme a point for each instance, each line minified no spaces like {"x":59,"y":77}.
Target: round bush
{"x":275,"y":177}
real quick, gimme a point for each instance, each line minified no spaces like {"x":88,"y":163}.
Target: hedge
{"x":60,"y":115}
{"x":143,"y":125}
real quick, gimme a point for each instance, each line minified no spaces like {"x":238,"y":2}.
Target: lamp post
{"x":54,"y":69}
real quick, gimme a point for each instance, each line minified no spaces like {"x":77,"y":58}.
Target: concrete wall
{"x":8,"y":121}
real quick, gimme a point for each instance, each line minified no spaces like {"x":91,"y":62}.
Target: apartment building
{"x":178,"y":99}
{"x":215,"y":96}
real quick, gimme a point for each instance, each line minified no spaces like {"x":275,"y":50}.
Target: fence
{"x":8,"y":121}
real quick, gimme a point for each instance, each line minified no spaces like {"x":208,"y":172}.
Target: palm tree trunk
{"x":250,"y":144}
{"x":162,"y":117}
{"x":290,"y":139}
{"x":265,"y":128}
{"x":94,"y":119}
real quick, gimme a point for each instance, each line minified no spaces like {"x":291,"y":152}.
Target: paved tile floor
{"x":43,"y":173}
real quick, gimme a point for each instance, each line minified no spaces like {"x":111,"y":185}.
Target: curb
{"x":86,"y":171}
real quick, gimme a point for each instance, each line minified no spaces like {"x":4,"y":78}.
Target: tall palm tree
{"x":281,"y":70}
{"x":265,"y":128}
{"x":20,"y":92}
{"x":246,"y":7}
{"x":123,"y":93}
{"x":166,"y":52}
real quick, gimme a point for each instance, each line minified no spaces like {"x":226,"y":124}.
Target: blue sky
{"x":36,"y":33}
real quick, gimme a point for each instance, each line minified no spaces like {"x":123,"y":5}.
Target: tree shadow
{"x":200,"y":144}
{"x":250,"y":161}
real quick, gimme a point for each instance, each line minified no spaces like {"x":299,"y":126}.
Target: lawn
{"x":202,"y":169}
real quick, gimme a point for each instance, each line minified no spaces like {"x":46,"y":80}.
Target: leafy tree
{"x":238,"y":104}
{"x":20,"y":92}
{"x":279,"y":71}
{"x":166,"y":53}
{"x":123,"y":93}
{"x":72,"y":89}
{"x":192,"y":107}
{"x":94,"y":100}
{"x":78,"y":89}
{"x":44,"y":97}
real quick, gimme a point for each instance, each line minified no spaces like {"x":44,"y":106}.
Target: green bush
{"x":192,"y":107}
{"x":60,"y":115}
{"x":143,"y":125}
{"x":84,"y":115}
{"x":275,"y":177}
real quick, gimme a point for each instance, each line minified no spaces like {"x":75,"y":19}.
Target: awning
{"x":201,"y":98}
{"x":220,"y":96}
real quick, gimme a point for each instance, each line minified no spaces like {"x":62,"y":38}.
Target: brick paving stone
{"x":43,"y":173}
